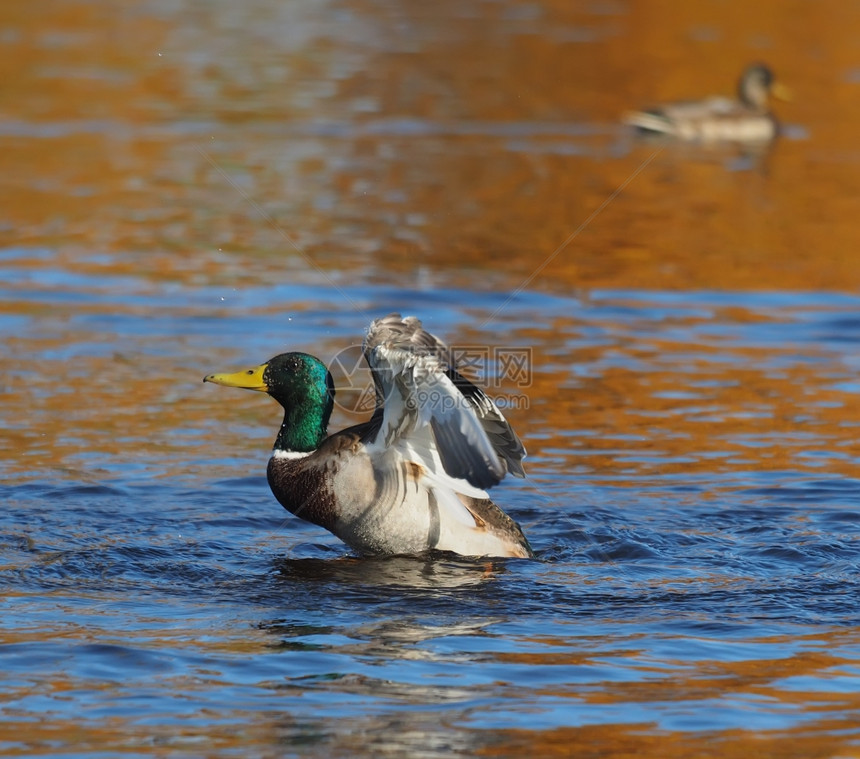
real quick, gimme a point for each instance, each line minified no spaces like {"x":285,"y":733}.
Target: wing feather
{"x":418,"y":387}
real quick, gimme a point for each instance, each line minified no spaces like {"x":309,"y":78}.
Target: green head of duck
{"x":303,"y":385}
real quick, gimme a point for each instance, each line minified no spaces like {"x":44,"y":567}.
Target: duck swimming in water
{"x":413,"y":478}
{"x":719,"y":119}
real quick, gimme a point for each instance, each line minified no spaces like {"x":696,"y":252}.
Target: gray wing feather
{"x":506,"y":442}
{"x":416,"y":382}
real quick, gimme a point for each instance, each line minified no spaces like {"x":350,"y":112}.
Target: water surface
{"x":195,"y":187}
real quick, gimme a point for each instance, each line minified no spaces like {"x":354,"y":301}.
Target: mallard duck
{"x":411,"y":479}
{"x":719,"y":119}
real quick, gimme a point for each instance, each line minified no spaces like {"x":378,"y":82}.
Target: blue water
{"x":160,"y":588}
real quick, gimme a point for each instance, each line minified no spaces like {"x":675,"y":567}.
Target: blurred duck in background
{"x":747,"y":119}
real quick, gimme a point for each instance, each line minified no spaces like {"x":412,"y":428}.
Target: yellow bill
{"x":781,"y":92}
{"x":249,"y":379}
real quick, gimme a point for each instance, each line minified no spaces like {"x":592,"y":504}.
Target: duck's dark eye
{"x":250,"y":371}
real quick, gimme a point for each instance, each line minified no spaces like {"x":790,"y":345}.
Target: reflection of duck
{"x":354,"y":575}
{"x":413,"y":477}
{"x":719,"y":119}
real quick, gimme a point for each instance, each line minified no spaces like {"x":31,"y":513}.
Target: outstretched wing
{"x":420,"y":391}
{"x":505,"y":441}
